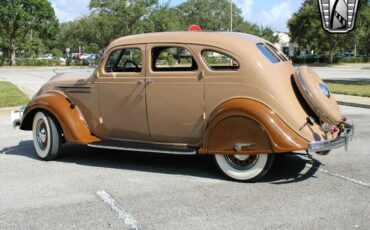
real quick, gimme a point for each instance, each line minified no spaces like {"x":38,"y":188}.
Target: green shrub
{"x":323,"y":59}
{"x":57,"y":52}
{"x":37,"y":62}
{"x":4,"y":62}
{"x":353,"y":60}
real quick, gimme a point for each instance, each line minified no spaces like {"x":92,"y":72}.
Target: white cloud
{"x":68,"y":10}
{"x":247,"y":9}
{"x":278,"y":15}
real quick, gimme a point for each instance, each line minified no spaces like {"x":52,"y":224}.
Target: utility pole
{"x":231,"y":15}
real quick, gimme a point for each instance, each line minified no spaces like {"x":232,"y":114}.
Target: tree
{"x":164,"y":18}
{"x":117,"y":18}
{"x":19,"y":18}
{"x":211,"y":15}
{"x":111,"y":19}
{"x":306,"y":30}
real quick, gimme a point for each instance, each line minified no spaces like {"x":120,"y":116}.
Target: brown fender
{"x":249,"y":122}
{"x":71,"y":121}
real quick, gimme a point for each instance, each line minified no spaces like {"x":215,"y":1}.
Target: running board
{"x":143,"y":147}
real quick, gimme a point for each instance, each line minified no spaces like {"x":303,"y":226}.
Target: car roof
{"x":226,"y":40}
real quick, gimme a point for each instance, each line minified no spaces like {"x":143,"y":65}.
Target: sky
{"x":272,"y":13}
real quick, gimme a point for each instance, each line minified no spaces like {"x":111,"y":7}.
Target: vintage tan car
{"x":231,"y":95}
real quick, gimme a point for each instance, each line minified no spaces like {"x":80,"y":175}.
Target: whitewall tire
{"x":245,"y":167}
{"x":46,"y":136}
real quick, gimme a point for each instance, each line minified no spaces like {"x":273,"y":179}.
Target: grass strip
{"x":362,"y":90}
{"x":10,"y":95}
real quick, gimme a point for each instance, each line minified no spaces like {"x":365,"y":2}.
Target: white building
{"x":285,"y":45}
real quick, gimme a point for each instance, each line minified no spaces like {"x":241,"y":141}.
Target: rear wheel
{"x":47,"y":138}
{"x":245,"y":167}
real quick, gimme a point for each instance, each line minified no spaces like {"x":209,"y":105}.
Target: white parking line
{"x":343,"y":177}
{"x":122,"y":214}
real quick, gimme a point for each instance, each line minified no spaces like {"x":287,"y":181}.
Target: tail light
{"x":328,"y":128}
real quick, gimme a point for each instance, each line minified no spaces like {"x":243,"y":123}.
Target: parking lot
{"x":104,"y":189}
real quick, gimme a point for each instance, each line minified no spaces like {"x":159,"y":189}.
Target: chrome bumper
{"x":16,"y":116}
{"x":342,"y":140}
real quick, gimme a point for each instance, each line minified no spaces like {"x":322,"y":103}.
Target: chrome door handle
{"x":148,"y":81}
{"x":140,"y":81}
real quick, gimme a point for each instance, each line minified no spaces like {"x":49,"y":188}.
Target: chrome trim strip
{"x":151,"y":142}
{"x":240,"y":146}
{"x":309,"y":95}
{"x":194,"y":152}
{"x":343,"y":140}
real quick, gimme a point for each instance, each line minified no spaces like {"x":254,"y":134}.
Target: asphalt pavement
{"x":102,"y":189}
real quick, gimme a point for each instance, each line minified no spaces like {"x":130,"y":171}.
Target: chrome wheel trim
{"x":41,"y":134}
{"x":241,"y":162}
{"x":253,"y":170}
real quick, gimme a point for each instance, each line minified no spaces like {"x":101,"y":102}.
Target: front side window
{"x":172,"y":59}
{"x":219,"y":61}
{"x":125,"y":60}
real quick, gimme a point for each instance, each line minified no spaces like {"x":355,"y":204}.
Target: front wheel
{"x":46,"y":136}
{"x":245,"y":167}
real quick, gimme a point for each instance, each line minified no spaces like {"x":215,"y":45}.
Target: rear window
{"x":219,"y":61}
{"x":278,"y":52}
{"x":269,"y":54}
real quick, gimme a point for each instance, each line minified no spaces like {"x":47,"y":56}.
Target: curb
{"x":354,"y":104}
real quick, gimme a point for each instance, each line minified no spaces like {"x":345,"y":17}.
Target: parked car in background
{"x":76,"y":56}
{"x":46,"y":56}
{"x":62,"y":60}
{"x":84,"y":56}
{"x":345,"y":54}
{"x":231,"y":95}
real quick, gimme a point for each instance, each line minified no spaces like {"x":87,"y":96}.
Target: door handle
{"x":140,"y":81}
{"x":148,"y":81}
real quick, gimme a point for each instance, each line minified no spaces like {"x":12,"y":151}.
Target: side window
{"x":268,"y":53}
{"x":277,"y":52}
{"x":219,"y":61}
{"x":125,"y":60}
{"x":172,"y":59}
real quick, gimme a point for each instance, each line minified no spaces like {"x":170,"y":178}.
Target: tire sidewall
{"x":52,"y":149}
{"x":255,"y":172}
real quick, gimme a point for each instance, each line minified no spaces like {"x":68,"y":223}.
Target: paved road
{"x":348,"y":72}
{"x":181,"y":192}
{"x":30,"y":80}
{"x":176,"y":192}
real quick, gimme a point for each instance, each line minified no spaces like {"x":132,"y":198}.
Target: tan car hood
{"x":72,"y":79}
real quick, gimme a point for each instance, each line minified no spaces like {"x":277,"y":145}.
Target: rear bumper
{"x":342,"y":140}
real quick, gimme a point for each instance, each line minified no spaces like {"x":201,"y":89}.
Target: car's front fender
{"x":69,"y":117}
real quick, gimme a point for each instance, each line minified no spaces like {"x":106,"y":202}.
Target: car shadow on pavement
{"x":286,"y":169}
{"x":291,"y":168}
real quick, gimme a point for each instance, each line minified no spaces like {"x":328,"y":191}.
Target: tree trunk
{"x":12,"y":50}
{"x":331,"y":56}
{"x":332,"y":47}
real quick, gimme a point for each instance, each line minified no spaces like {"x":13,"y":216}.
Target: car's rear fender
{"x":69,"y":117}
{"x":245,"y":126}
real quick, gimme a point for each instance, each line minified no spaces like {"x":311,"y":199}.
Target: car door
{"x":121,"y":86}
{"x":175,"y":94}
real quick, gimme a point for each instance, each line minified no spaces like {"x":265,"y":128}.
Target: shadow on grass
{"x":286,"y":169}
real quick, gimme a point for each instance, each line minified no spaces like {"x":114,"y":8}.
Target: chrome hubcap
{"x":241,"y":162}
{"x":41,"y":134}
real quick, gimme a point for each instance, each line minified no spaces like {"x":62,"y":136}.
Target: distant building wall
{"x":284,"y":44}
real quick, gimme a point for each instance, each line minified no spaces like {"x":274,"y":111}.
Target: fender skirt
{"x":251,"y":125}
{"x":71,"y":121}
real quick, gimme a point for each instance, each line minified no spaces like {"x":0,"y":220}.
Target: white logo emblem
{"x":338,"y":16}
